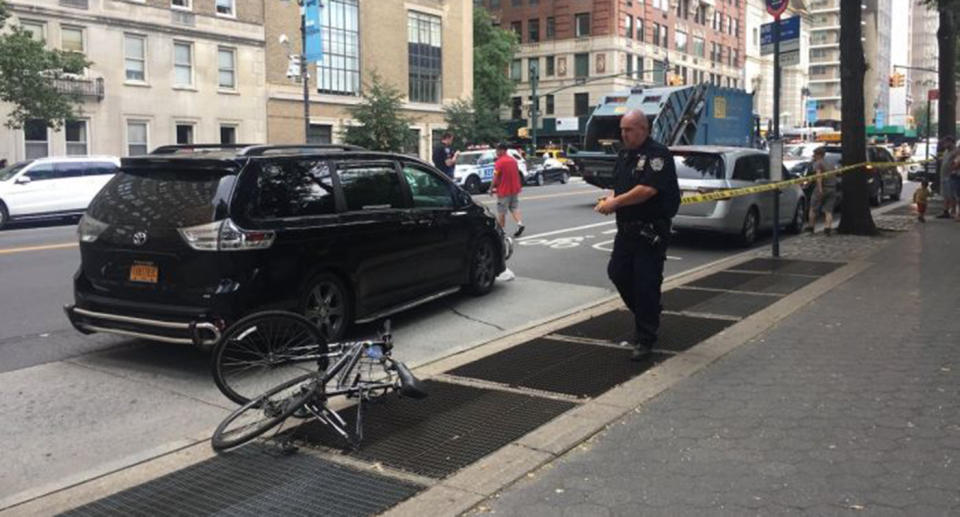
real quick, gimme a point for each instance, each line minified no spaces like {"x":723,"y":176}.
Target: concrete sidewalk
{"x":850,"y":404}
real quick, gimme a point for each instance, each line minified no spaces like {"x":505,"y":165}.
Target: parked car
{"x":797,"y":153}
{"x":882,"y":182}
{"x":702,"y":169}
{"x":56,"y":187}
{"x":179,"y":245}
{"x":541,"y":171}
{"x":804,"y":169}
{"x":474,"y":169}
{"x":560,"y":156}
{"x":921,"y":171}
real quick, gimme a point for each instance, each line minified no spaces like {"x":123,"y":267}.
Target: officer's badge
{"x":641,"y":161}
{"x":657,"y":164}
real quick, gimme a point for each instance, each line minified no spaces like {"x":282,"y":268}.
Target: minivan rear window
{"x":698,"y":166}
{"x":158,"y":198}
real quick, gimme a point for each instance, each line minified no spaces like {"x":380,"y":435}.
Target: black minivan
{"x":186,"y":240}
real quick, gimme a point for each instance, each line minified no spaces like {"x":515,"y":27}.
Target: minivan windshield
{"x":698,"y":166}
{"x":11,"y":171}
{"x":158,"y":198}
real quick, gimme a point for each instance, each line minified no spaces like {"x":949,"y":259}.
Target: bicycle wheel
{"x":266,"y":349}
{"x":264,"y":412}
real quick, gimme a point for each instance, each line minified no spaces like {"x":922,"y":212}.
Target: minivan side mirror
{"x":22,"y":180}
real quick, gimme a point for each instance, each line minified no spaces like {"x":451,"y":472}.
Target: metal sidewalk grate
{"x":755,"y":282}
{"x":545,"y":364}
{"x":715,"y":302}
{"x":789,"y":266}
{"x":256,"y":481}
{"x":453,"y":427}
{"x":677,"y":333}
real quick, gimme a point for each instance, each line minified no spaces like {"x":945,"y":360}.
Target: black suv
{"x":186,"y":240}
{"x":882,"y":182}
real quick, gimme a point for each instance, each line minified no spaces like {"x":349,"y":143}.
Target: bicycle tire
{"x":289,"y":405}
{"x":260,"y":350}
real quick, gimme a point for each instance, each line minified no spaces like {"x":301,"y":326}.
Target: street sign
{"x":776,"y":7}
{"x":811,"y":111}
{"x":789,"y":58}
{"x":568,"y":124}
{"x":311,"y":31}
{"x":789,"y":36}
{"x":879,"y":119}
{"x":933,"y":95}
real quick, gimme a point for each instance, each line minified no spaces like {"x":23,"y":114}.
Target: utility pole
{"x":535,"y":101}
{"x":304,"y":77}
{"x":776,"y":8}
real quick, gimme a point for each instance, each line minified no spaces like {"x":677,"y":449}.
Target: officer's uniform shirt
{"x":651,"y":165}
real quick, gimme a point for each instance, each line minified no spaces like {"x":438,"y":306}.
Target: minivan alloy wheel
{"x":482,"y":268}
{"x":326,"y":306}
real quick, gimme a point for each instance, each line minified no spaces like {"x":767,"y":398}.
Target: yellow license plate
{"x":146,"y":273}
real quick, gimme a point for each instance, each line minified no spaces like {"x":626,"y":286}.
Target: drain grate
{"x":452,"y":428}
{"x":756,"y":282}
{"x":715,"y":302}
{"x":558,"y":366}
{"x":677,"y":332}
{"x":789,"y":266}
{"x":256,"y":481}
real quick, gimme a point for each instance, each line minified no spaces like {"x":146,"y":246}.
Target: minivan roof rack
{"x":260,"y":150}
{"x":178,"y":148}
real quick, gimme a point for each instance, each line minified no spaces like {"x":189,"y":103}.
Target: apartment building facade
{"x":162,"y":72}
{"x":424,"y":48}
{"x":924,"y":53}
{"x":758,"y":69}
{"x":583,"y":50}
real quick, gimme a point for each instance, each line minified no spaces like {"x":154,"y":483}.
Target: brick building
{"x":592,"y":47}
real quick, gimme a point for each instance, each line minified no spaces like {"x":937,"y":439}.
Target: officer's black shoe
{"x":640,"y":352}
{"x":519,"y":231}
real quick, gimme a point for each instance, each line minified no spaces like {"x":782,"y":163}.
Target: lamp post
{"x":304,"y":76}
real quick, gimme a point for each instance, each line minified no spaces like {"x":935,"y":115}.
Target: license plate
{"x":143,"y":272}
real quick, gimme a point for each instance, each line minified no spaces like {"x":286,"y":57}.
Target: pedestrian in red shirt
{"x":506,"y":185}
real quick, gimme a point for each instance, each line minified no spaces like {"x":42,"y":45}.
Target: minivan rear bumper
{"x":196,"y":332}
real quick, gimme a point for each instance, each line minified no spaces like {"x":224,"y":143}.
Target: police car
{"x":474,"y":168}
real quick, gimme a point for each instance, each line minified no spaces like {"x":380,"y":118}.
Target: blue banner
{"x":811,"y":111}
{"x":311,"y":31}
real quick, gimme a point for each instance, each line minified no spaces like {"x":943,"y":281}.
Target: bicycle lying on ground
{"x":277,"y":364}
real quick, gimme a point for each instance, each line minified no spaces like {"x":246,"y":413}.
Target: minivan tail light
{"x":90,"y":229}
{"x":225,"y":235}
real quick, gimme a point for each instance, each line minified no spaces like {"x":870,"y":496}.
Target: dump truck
{"x":702,"y":114}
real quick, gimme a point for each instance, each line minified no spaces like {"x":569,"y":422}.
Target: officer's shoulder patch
{"x":657,"y":164}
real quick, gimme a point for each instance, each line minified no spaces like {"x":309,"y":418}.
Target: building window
{"x":551,"y":27}
{"x":183,"y":64}
{"x":35,"y":139}
{"x":227,"y":68}
{"x":424,"y":40}
{"x":516,"y":69}
{"x":736,"y":27}
{"x":76,"y":136}
{"x":225,"y":7}
{"x":228,"y":134}
{"x":517,"y":28}
{"x":659,"y":72}
{"x":136,"y":138}
{"x":550,"y":66}
{"x":180,"y":4}
{"x":629,"y":65}
{"x":698,"y":48}
{"x":34,"y":29}
{"x":320,"y":134}
{"x":680,"y":41}
{"x":184,"y":133}
{"x":550,"y":106}
{"x":71,"y":39}
{"x":640,"y":29}
{"x":664,"y":37}
{"x":582,"y":24}
{"x":628,"y":26}
{"x":581,"y":104}
{"x":533,"y":30}
{"x":736,"y":57}
{"x":339,"y":70}
{"x":516,"y":111}
{"x":515,"y":3}
{"x":581,"y":65}
{"x":135,"y":57}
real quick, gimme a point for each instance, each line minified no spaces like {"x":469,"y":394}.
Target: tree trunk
{"x":855,"y":217}
{"x":947,"y":41}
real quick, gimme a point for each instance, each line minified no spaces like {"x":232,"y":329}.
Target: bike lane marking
{"x":5,"y":251}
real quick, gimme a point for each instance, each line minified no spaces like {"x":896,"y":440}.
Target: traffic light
{"x":892,"y":81}
{"x":897,"y":80}
{"x":900,"y":80}
{"x":523,"y":132}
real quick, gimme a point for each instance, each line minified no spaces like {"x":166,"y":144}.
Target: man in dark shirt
{"x":646,"y":196}
{"x":443,"y":156}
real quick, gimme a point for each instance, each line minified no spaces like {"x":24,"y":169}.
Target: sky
{"x":899,"y":39}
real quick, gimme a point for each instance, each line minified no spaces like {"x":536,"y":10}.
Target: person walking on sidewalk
{"x":920,"y":197}
{"x":645,"y":197}
{"x":444,"y":158}
{"x":506,"y":185}
{"x":824,"y":193}
{"x":948,"y":144}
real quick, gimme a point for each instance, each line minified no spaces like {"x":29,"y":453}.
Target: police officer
{"x":645,"y":197}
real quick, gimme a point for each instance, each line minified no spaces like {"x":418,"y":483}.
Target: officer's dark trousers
{"x":636,"y":268}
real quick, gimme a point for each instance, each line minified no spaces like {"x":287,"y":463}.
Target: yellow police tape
{"x":736,"y":192}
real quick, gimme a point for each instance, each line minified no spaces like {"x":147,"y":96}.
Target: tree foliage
{"x":493,"y":49}
{"x":471,"y":123}
{"x":29,"y":73}
{"x":381,"y":123}
{"x":855,"y":218}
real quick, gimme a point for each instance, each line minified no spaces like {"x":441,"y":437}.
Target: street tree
{"x":381,"y":125}
{"x":947,"y":66}
{"x":29,"y":73}
{"x":493,"y":50}
{"x":920,"y":116}
{"x":471,"y":123}
{"x":855,"y":217}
